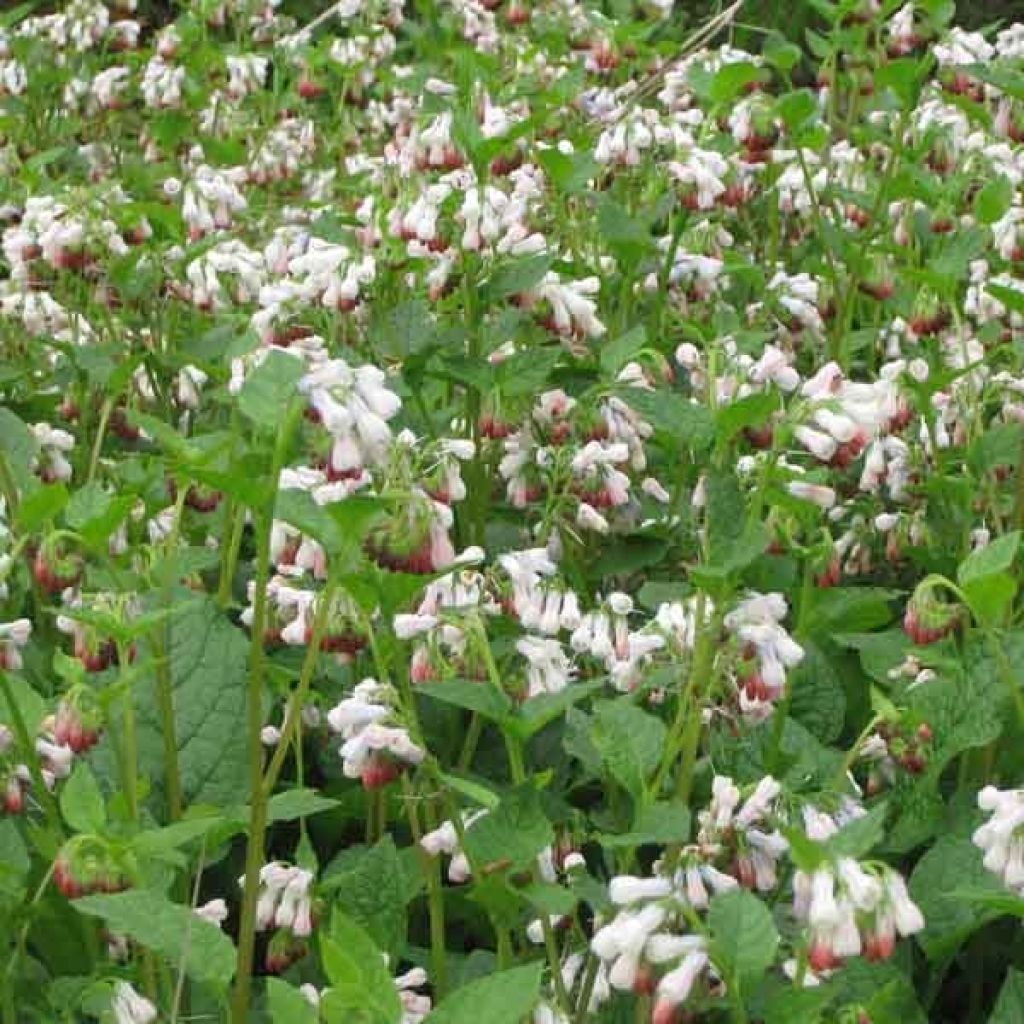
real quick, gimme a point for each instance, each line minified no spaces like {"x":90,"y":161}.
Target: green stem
{"x":431,"y":868}
{"x":9,"y":1010}
{"x":476,"y":726}
{"x":164,"y":683}
{"x":517,"y":769}
{"x":684,"y":736}
{"x":505,"y":952}
{"x":587,"y":989}
{"x":131,"y":754}
{"x":97,"y":445}
{"x":254,"y":725}
{"x":179,"y":1000}
{"x":234,"y":545}
{"x":477,"y":474}
{"x":642,"y":1009}
{"x":293,"y":709}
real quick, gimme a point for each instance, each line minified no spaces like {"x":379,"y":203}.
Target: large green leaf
{"x":504,"y":998}
{"x":630,"y":742}
{"x":372,"y":893}
{"x":952,"y":864}
{"x":817,"y":700}
{"x":474,"y":695}
{"x":1009,"y":1008}
{"x":208,"y":663}
{"x":288,"y":1005}
{"x":270,"y":388}
{"x":744,"y":936}
{"x":174,"y":931}
{"x":362,"y":990}
{"x":17,"y":444}
{"x":512,"y":834}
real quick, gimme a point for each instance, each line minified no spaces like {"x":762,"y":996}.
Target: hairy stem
{"x":431,"y":868}
{"x":254,"y":724}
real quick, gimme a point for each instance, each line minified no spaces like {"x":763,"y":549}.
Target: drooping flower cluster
{"x":1001,"y":838}
{"x":376,"y":746}
{"x":285,"y":907}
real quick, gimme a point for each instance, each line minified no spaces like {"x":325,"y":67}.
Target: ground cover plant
{"x":510,"y":512}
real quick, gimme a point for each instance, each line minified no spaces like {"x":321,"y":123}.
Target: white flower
{"x":626,"y":889}
{"x":819,"y":494}
{"x":1001,"y":836}
{"x":215,"y":911}
{"x":131,"y":1008}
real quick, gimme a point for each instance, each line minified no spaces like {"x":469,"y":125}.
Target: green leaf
{"x":626,"y":234}
{"x":628,"y":554}
{"x":41,"y":505}
{"x":993,"y":558}
{"x":796,"y":108}
{"x":519,"y":276}
{"x":298,"y":508}
{"x":536,"y":712}
{"x":817,"y":697}
{"x":28,"y":702}
{"x":14,"y":859}
{"x":95,"y":513}
{"x":630,"y":742}
{"x":730,"y":79}
{"x":17,"y":444}
{"x":270,"y":388}
{"x":472,"y":790}
{"x":859,"y":836}
{"x":679,"y":422}
{"x":288,"y":1005}
{"x":1009,"y":1008}
{"x":903,"y":76}
{"x":753,"y":410}
{"x":569,"y":172}
{"x":503,"y":998}
{"x":993,"y":199}
{"x":479,"y":696}
{"x":616,"y":353}
{"x":661,"y":822}
{"x":403,"y":330}
{"x":208,"y":661}
{"x":298,"y":803}
{"x":964,"y":709}
{"x":726,"y":514}
{"x":777,"y":1002}
{"x":852,"y":609}
{"x":527,"y":373}
{"x":512,"y":834}
{"x":956,"y":253}
{"x":990,"y":596}
{"x":81,"y":801}
{"x":174,"y":931}
{"x":744,"y":936}
{"x":780,"y":52}
{"x":1011,"y":298}
{"x":157,"y":841}
{"x":372,"y":894}
{"x":362,"y":990}
{"x":548,"y":898}
{"x":953,"y":863}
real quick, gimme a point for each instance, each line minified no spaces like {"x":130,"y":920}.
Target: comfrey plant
{"x":510,"y":512}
